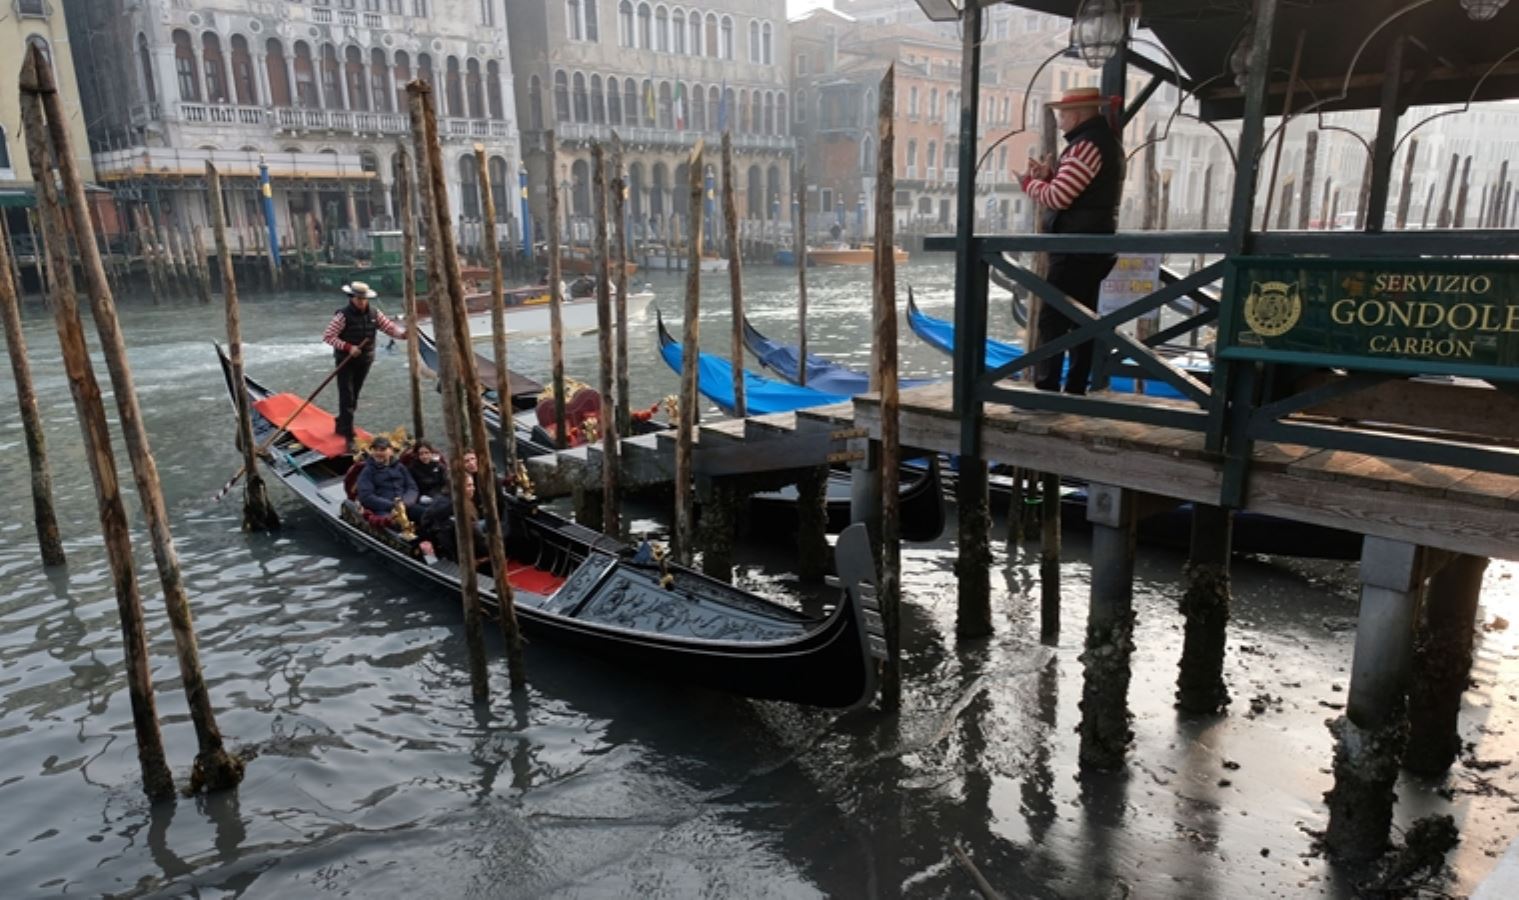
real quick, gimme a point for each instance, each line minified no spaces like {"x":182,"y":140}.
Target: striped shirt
{"x":1078,"y":165}
{"x":335,"y":328}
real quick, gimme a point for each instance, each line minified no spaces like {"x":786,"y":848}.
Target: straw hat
{"x":359,"y":289}
{"x":1078,"y":97}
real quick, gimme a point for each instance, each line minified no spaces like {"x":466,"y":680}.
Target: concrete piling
{"x":1442,"y":665}
{"x":1200,"y":684}
{"x":1105,"y":732}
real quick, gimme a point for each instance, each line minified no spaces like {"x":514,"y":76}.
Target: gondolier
{"x":351,"y":334}
{"x":1080,"y":196}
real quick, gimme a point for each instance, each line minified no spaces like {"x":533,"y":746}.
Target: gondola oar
{"x":259,"y":451}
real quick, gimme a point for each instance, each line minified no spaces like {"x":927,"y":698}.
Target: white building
{"x":314,"y":87}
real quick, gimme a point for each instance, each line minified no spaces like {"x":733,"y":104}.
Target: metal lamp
{"x":1477,"y":10}
{"x":942,"y":10}
{"x":1097,"y":31}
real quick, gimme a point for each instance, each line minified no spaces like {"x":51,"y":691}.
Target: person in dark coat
{"x":384,"y":480}
{"x":1080,"y":195}
{"x":436,"y":526}
{"x":428,"y":471}
{"x":351,"y":335}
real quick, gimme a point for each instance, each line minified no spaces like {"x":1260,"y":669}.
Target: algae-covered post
{"x":610,"y":501}
{"x":556,"y":296}
{"x":735,"y":273}
{"x":691,"y":332}
{"x":406,"y":199}
{"x":886,"y":376}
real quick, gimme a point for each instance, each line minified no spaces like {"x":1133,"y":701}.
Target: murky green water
{"x":375,"y":776}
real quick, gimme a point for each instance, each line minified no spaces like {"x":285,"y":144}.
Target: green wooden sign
{"x":1411,"y":316}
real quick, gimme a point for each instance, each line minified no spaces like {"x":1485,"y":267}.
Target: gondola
{"x":575,"y":586}
{"x":922,"y":498}
{"x":822,"y":373}
{"x":940,"y":334}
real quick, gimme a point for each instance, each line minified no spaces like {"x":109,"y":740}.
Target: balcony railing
{"x":219,"y":114}
{"x":287,"y":118}
{"x":587,"y":131}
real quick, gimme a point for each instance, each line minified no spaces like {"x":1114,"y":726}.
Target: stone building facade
{"x":661,"y":75}
{"x":837,"y":65}
{"x":23,"y":23}
{"x":316,"y":88}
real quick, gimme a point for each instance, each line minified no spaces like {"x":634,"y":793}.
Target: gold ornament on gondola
{"x":402,"y":522}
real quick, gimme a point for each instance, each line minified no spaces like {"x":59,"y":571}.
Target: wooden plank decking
{"x":1438,"y":506}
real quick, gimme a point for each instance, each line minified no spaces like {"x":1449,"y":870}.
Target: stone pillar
{"x":1370,"y":736}
{"x":390,"y":89}
{"x":1105,"y":733}
{"x":1442,"y":665}
{"x":295,"y":93}
{"x":167,"y":78}
{"x":265,"y":96}
{"x":1200,"y":684}
{"x":343,"y":82}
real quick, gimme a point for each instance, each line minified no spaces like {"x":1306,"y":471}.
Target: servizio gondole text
{"x":1461,"y":321}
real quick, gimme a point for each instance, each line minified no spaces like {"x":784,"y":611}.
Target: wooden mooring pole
{"x":1462,"y":194}
{"x":202,"y":271}
{"x":215,"y":768}
{"x":1405,"y":194}
{"x":611,"y":500}
{"x":1305,"y":202}
{"x":258,"y":512}
{"x":1049,"y":482}
{"x":432,"y":193}
{"x":43,"y":514}
{"x":406,"y":197}
{"x":890,"y":593}
{"x":1200,"y":686}
{"x":506,"y":437}
{"x":690,"y":334}
{"x":799,"y":242}
{"x":735,"y":275}
{"x":158,"y":783}
{"x":556,"y":295}
{"x":619,"y":188}
{"x":1442,"y":665}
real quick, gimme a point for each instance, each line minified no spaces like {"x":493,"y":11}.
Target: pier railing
{"x":1321,"y":384}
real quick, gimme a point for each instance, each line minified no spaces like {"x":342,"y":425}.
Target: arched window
{"x":215,"y":66}
{"x":657,"y":194}
{"x":592,"y":22}
{"x":614,"y":102}
{"x":353,"y":70}
{"x":773,"y":192}
{"x":378,"y":91}
{"x":474,"y":90}
{"x":535,"y":103}
{"x":332,"y":93}
{"x":727,"y":37}
{"x":801,"y":107}
{"x":711,"y":36}
{"x":754,"y":200}
{"x":631,"y":107}
{"x":184,"y":68}
{"x":598,"y":102}
{"x":645,"y":27}
{"x":727,"y":112}
{"x":933,"y":105}
{"x":573,"y":23}
{"x":714,"y":109}
{"x":635,"y":193}
{"x":662,"y":30}
{"x":244,"y":83}
{"x":561,"y":96}
{"x":782,"y":124}
{"x":766,"y":55}
{"x":401,"y":76}
{"x":469,"y":186}
{"x":149,"y":90}
{"x":625,"y":23}
{"x":743,"y":113}
{"x":928,"y":158}
{"x":500,"y":194}
{"x":666,"y":106}
{"x":493,"y":89}
{"x":279,"y":79}
{"x":648,"y":103}
{"x":425,"y":71}
{"x":580,"y":188}
{"x":769,"y":113}
{"x":695,"y":28}
{"x":678,"y":32}
{"x":698,"y":108}
{"x":455,"y":86}
{"x":305,"y":77}
{"x":868,"y":156}
{"x":754,"y":41}
{"x":582,"y":105}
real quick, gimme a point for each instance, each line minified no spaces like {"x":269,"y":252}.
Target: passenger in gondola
{"x":384,"y":481}
{"x":428,"y":471}
{"x":436,"y":528}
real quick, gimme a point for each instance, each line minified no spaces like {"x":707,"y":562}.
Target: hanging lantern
{"x":1097,"y":31}
{"x":1239,"y":57}
{"x":1482,"y":10}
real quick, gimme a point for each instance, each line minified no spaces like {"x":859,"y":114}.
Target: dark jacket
{"x":379,"y":486}
{"x":431,"y":478}
{"x":437,"y":526}
{"x":1095,"y":210}
{"x":359,"y":327}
